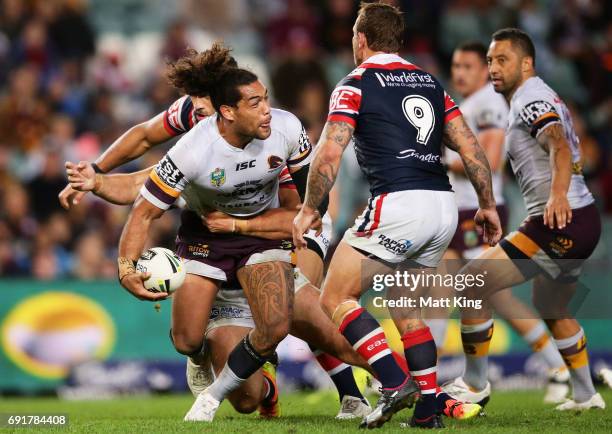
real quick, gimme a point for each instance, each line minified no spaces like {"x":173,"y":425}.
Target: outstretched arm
{"x":322,"y":175}
{"x":134,"y":143}
{"x":558,"y":209}
{"x":131,"y":145}
{"x":120,"y":189}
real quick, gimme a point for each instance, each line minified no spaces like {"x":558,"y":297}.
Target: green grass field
{"x":514,"y":412}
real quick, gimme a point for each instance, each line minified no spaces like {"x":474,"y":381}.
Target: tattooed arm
{"x":322,"y":175}
{"x":553,"y":140}
{"x":326,"y":161}
{"x":459,"y":138}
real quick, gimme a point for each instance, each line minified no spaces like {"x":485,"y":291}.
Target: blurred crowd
{"x":75,"y":74}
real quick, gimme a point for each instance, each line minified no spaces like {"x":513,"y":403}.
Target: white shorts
{"x":231,"y":307}
{"x":323,"y":240}
{"x":412,"y":225}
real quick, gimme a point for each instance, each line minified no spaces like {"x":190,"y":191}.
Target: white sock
{"x":540,"y":342}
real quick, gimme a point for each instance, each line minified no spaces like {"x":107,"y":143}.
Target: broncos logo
{"x":274,"y":162}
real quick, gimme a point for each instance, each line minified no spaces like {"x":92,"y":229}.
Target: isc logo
{"x":245,"y":165}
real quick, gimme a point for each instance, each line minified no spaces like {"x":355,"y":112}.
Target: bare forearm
{"x":553,"y":141}
{"x":278,"y":221}
{"x":326,"y":162}
{"x":136,"y":230}
{"x":134,"y":143}
{"x":120,"y":189}
{"x":459,"y":137}
{"x":561,"y":165}
{"x":492,"y":141}
{"x":131,"y":145}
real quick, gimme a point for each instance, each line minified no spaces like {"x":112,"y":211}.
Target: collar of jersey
{"x":385,"y":58}
{"x":524,"y":86}
{"x":225,"y":142}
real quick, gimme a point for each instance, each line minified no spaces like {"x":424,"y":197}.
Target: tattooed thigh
{"x":269,"y":290}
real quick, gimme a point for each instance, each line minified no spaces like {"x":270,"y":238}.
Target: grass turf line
{"x":516,"y":412}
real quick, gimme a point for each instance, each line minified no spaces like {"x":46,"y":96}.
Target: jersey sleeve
{"x":345,"y":101}
{"x":285,"y":180}
{"x":169,"y":177}
{"x":300,"y":148}
{"x":451,"y":109}
{"x":180,"y":116}
{"x":539,"y":115}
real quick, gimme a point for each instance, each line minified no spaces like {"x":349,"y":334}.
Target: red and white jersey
{"x":180,"y":117}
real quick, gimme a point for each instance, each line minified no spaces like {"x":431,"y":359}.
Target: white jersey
{"x":533,"y":108}
{"x":210,"y":173}
{"x":482,"y":110}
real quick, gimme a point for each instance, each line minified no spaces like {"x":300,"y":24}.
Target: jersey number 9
{"x":420,"y":113}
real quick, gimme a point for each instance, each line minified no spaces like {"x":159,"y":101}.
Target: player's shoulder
{"x":202,"y":135}
{"x":533,"y":90}
{"x":179,"y":103}
{"x":179,"y":117}
{"x":535,"y":99}
{"x":285,"y":122}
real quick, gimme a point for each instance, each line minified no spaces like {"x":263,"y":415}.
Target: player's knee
{"x":328,"y":302}
{"x":187,"y":344}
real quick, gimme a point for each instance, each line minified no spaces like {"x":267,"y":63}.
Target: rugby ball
{"x":166,"y":268}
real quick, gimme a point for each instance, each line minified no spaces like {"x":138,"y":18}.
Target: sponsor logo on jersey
{"x":246,"y":190}
{"x":412,"y":153}
{"x":274,"y":162}
{"x":217,"y":177}
{"x":286,"y":245}
{"x":403,"y":78}
{"x":398,"y":247}
{"x":200,"y":250}
{"x":534,"y":110}
{"x":169,"y":173}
